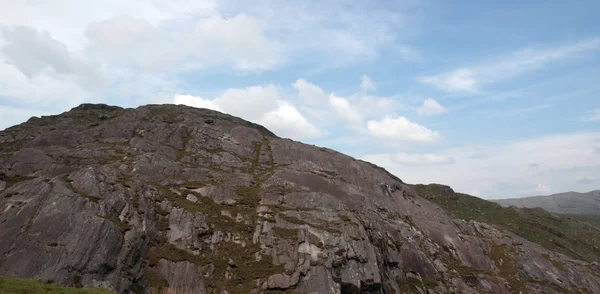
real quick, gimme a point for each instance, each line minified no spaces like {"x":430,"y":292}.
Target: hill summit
{"x":174,"y":199}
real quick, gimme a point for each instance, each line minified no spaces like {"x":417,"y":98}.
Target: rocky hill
{"x":173,"y":199}
{"x":569,"y":203}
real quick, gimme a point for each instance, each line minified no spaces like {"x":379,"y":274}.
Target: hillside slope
{"x":173,"y":199}
{"x":568,"y":203}
{"x":556,"y":232}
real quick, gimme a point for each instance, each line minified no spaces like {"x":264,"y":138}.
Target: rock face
{"x":173,"y":199}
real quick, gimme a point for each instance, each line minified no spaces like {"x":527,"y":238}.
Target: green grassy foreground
{"x":22,"y":286}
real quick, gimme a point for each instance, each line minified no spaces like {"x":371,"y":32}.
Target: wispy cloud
{"x":431,"y":107}
{"x":504,"y":171}
{"x":584,"y":180}
{"x":592,"y":115}
{"x":471,"y":79}
{"x":409,"y":159}
{"x":400,"y":129}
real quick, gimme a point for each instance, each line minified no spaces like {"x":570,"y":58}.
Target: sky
{"x":497,"y":99}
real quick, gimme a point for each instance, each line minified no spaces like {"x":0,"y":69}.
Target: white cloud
{"x":541,"y":188}
{"x":249,"y":36}
{"x":286,"y":121}
{"x":408,"y":159}
{"x":266,"y":105}
{"x":352,"y":109}
{"x":39,"y":75}
{"x":67,"y":19}
{"x":36,"y":53}
{"x":462,"y":79}
{"x":498,"y":170}
{"x":336,"y":33}
{"x":470,"y":79}
{"x":310,"y":93}
{"x":367,"y":84}
{"x":10,"y":116}
{"x":287,"y":114}
{"x":343,"y":109}
{"x":239,"y":40}
{"x":64,"y":52}
{"x":431,"y":107}
{"x":129,"y":41}
{"x":194,"y":101}
{"x":400,"y":129}
{"x":593,"y":115}
{"x":251,"y":102}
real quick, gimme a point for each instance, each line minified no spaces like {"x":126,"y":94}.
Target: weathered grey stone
{"x":192,"y":200}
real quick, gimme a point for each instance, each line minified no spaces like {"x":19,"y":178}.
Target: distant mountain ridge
{"x":567,"y":203}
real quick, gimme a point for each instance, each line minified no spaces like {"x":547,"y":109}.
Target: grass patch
{"x":210,"y":209}
{"x":345,"y":218}
{"x":247,"y":269}
{"x":591,"y":219}
{"x":280,"y":190}
{"x":243,"y":275}
{"x":291,"y":219}
{"x":505,"y":260}
{"x":557,"y":264}
{"x":168,"y":251}
{"x":298,"y":221}
{"x":249,"y":196}
{"x":410,"y":284}
{"x":166,"y":114}
{"x":11,"y":181}
{"x":22,"y":286}
{"x":79,"y":192}
{"x":154,"y":281}
{"x":194,"y":185}
{"x":285,"y":233}
{"x":121,"y":225}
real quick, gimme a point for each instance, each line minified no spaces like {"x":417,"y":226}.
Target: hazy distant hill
{"x":569,"y":203}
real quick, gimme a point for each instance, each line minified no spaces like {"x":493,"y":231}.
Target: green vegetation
{"x":345,"y":218}
{"x":509,"y":267}
{"x":291,"y":219}
{"x":246,"y":269}
{"x":121,"y":225}
{"x":209,"y":208}
{"x":286,"y":233}
{"x":297,"y":221}
{"x":79,"y":192}
{"x":168,"y":115}
{"x":557,"y":264}
{"x":22,"y":286}
{"x":11,"y":146}
{"x":11,"y":181}
{"x":410,"y":284}
{"x":155,"y":282}
{"x":237,"y":278}
{"x":588,"y":218}
{"x":168,"y":251}
{"x":565,"y":235}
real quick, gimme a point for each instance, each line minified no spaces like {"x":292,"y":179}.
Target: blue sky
{"x":497,"y":99}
